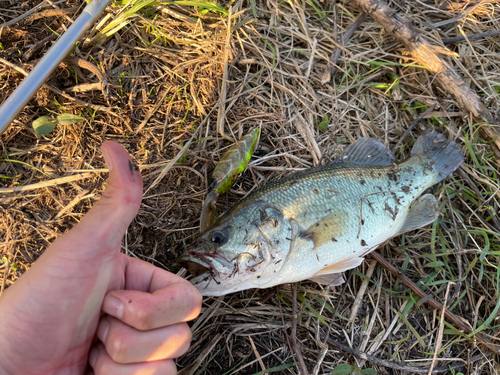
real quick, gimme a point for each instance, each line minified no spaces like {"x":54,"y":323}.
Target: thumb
{"x":105,"y":224}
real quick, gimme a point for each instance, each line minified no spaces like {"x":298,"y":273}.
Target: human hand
{"x":52,"y":313}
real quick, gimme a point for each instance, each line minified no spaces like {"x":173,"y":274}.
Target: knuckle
{"x":116,"y":345}
{"x":144,"y":319}
{"x":115,"y":195}
{"x":103,"y":365}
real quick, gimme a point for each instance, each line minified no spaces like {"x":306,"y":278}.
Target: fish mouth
{"x":206,"y":266}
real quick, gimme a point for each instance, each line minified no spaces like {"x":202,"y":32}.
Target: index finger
{"x":153,"y":298}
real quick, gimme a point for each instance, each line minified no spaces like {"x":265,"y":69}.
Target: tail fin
{"x":445,"y":155}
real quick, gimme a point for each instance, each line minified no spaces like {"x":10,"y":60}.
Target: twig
{"x":48,"y":13}
{"x":152,"y":111}
{"x":81,"y":196}
{"x":429,"y":56}
{"x":348,"y":107}
{"x":496,"y":222}
{"x":59,"y":92}
{"x":321,"y":357}
{"x":361,"y":291}
{"x":293,"y":336}
{"x":456,"y":320}
{"x":193,"y":367}
{"x":413,"y":124}
{"x":179,"y":154}
{"x":257,"y":355}
{"x":103,"y":82}
{"x":73,"y":60}
{"x":470,"y":37}
{"x":439,"y":338}
{"x":304,"y":128}
{"x":6,"y":273}
{"x":223,"y":92}
{"x":45,"y":184}
{"x":393,"y":365}
{"x":460,"y":17}
{"x":40,"y":44}
{"x":347,"y":35}
{"x":27,"y":14}
{"x":457,"y":253}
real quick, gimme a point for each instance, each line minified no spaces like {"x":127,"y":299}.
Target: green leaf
{"x":14,"y":266}
{"x":412,"y":329}
{"x":369,"y":371}
{"x":200,"y":4}
{"x":323,"y":125}
{"x":276,"y":369}
{"x":43,"y":126}
{"x":302,"y":299}
{"x":437,"y":264}
{"x":343,"y":369}
{"x":68,"y":119}
{"x":379,"y":85}
{"x":5,"y":260}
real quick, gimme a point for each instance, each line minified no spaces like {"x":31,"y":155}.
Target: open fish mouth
{"x":206,"y":266}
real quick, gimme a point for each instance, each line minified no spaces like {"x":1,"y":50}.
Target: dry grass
{"x":162,"y":83}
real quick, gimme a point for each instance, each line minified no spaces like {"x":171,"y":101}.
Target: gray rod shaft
{"x":30,"y":85}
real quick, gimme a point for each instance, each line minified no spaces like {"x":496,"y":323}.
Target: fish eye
{"x":219,"y":238}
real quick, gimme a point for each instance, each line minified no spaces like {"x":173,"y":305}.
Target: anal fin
{"x":423,"y":211}
{"x":331,"y":279}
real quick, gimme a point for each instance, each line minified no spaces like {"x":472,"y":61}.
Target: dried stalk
{"x":394,"y":365}
{"x":293,"y":336}
{"x":429,"y":56}
{"x":455,"y":319}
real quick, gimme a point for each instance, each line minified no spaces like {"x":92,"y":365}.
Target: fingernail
{"x":113,"y":306}
{"x":94,"y":353}
{"x":107,"y":157}
{"x":102,"y":330}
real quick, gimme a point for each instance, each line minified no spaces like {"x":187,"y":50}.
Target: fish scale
{"x":320,"y":222}
{"x":370,"y":205}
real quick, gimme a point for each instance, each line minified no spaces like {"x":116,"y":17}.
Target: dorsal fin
{"x":367,"y":151}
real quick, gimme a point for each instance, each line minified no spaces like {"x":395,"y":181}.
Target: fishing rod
{"x":30,"y":85}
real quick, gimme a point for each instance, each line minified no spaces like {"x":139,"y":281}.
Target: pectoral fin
{"x":423,"y":211}
{"x":342,"y":266}
{"x":331,"y":275}
{"x":327,"y":229}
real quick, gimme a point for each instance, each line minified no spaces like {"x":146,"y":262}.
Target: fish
{"x":318,"y":223}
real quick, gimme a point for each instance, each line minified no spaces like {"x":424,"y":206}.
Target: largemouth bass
{"x":321,"y":222}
